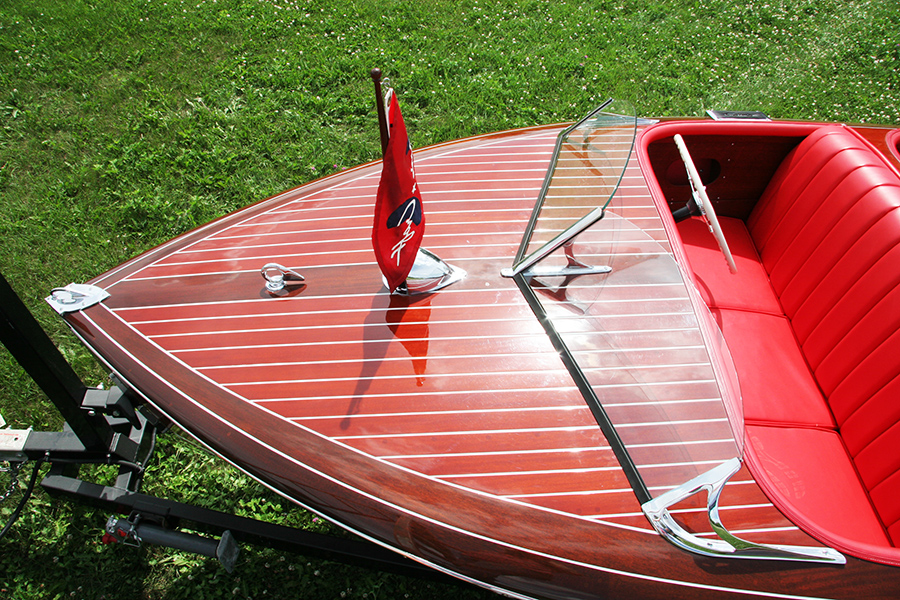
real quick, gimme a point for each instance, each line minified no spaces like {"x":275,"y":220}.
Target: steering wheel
{"x":703,"y":203}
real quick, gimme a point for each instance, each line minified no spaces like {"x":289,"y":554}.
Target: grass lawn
{"x":123,"y":124}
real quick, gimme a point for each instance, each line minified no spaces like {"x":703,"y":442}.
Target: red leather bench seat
{"x":810,"y":477}
{"x":812,"y":319}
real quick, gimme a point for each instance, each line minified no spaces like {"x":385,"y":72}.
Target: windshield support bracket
{"x":728,"y":545}
{"x":527,"y":266}
{"x":574,"y":267}
{"x":567,"y":271}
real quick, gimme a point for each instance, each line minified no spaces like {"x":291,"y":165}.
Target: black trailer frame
{"x":114,"y":427}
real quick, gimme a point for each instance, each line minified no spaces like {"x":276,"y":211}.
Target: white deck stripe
{"x":682,"y":511}
{"x":580,"y":406}
{"x":384,"y":377}
{"x":591,"y":427}
{"x":386,"y":309}
{"x":431,"y":356}
{"x":368,"y":296}
{"x":571,"y":471}
{"x":548,"y":450}
{"x":381,"y":341}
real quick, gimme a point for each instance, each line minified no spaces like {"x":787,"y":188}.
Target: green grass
{"x":125,"y":123}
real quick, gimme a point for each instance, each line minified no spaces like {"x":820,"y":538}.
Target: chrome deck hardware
{"x":728,"y":545}
{"x":573,"y":268}
{"x":75,"y":296}
{"x":428,"y":274}
{"x":276,"y":276}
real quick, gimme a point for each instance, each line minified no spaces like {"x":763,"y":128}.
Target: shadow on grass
{"x":55,"y":551}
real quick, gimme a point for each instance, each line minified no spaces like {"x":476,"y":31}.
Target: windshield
{"x":630,"y":327}
{"x":647,"y":355}
{"x":586,"y":169}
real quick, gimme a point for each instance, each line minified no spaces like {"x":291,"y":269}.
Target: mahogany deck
{"x":421,"y":421}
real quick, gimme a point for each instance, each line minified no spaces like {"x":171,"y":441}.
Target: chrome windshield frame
{"x":728,"y":545}
{"x":529,"y":229}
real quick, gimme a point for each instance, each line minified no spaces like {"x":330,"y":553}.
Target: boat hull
{"x":445,"y":426}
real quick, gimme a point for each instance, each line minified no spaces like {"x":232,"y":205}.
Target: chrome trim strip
{"x":587,"y":391}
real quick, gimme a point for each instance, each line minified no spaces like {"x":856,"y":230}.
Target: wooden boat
{"x":599,"y":407}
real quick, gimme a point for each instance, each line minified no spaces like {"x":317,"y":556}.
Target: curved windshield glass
{"x":650,"y":356}
{"x":640,"y":342}
{"x":586,"y":169}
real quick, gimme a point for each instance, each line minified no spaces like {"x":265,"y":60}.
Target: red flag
{"x":399,"y":219}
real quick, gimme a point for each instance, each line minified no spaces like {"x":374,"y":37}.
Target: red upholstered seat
{"x":814,"y":330}
{"x":749,"y":288}
{"x":808,"y":474}
{"x":776,"y":384}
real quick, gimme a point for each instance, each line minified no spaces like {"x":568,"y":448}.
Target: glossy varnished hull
{"x":446,"y":426}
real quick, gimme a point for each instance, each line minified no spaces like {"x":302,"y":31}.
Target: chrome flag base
{"x":428,"y":274}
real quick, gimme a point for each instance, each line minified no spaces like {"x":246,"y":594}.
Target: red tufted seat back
{"x":828,"y":232}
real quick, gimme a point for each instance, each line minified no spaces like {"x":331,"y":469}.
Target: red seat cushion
{"x":810,"y":478}
{"x":807,"y":177}
{"x":872,"y":436}
{"x":747,"y":289}
{"x":776,"y":384}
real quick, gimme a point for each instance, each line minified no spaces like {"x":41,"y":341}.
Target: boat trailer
{"x":116,"y":427}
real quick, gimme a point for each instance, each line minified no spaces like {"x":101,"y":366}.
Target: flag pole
{"x":379,"y":103}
